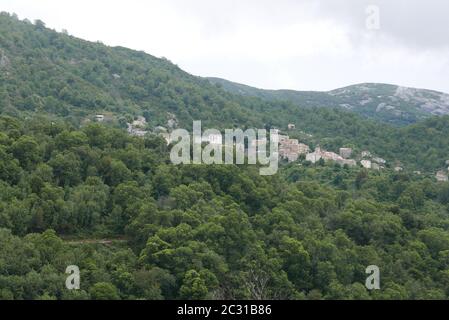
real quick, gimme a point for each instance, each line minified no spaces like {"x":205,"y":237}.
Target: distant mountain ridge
{"x":385,"y":102}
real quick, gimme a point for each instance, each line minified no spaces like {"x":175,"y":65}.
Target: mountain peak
{"x":386,"y":102}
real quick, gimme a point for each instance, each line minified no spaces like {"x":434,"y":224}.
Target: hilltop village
{"x":290,"y":150}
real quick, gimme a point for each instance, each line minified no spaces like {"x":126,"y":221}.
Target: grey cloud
{"x":266,"y":42}
{"x":415,"y":23}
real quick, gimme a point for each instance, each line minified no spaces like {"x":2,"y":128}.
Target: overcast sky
{"x":282,"y":44}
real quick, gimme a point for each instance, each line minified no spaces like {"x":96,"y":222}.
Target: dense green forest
{"x":198,"y":232}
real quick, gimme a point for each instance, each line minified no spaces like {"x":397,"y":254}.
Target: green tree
{"x":193,"y":286}
{"x":104,"y":291}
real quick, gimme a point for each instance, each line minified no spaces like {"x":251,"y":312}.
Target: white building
{"x":330,"y":156}
{"x":441,"y":176}
{"x":319,"y":154}
{"x":313,"y":157}
{"x":366,"y":164}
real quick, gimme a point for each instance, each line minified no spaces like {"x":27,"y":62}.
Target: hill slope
{"x":46,"y":71}
{"x":207,"y":231}
{"x":54,"y":74}
{"x":388,"y":103}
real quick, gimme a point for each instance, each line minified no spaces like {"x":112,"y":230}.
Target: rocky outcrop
{"x":433,"y":102}
{"x":385,"y":102}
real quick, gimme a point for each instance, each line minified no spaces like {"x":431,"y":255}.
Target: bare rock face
{"x":435,"y":103}
{"x":392,"y":103}
{"x":4,"y":60}
{"x":385,"y":102}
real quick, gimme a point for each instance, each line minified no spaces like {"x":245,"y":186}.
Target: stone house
{"x":441,"y":176}
{"x":313,"y":157}
{"x":366,"y":164}
{"x":319,"y":154}
{"x":330,"y":156}
{"x":291,"y":149}
{"x":346,"y":153}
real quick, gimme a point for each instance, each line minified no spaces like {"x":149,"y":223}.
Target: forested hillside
{"x":51,"y":73}
{"x":46,"y":71}
{"x":73,"y":192}
{"x":206,"y":231}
